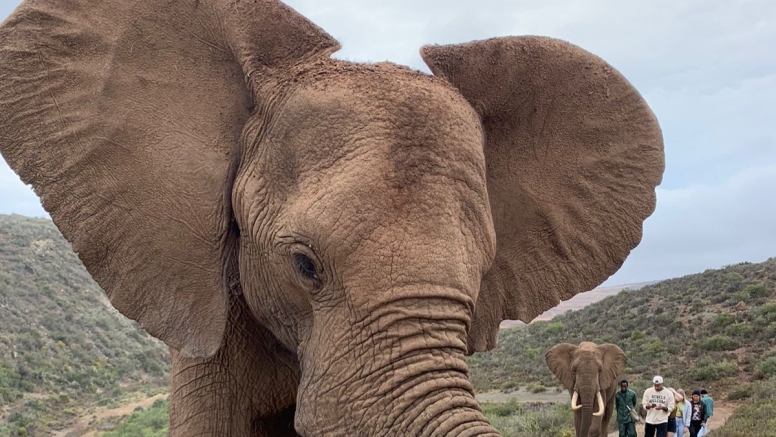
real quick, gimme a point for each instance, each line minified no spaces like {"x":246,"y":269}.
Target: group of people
{"x":668,"y":412}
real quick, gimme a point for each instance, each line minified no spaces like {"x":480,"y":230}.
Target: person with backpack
{"x":709,"y":402}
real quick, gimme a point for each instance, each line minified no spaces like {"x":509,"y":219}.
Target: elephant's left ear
{"x":614,"y":362}
{"x":573,"y":156}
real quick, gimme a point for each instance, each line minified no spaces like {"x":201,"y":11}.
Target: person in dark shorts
{"x":659,"y":402}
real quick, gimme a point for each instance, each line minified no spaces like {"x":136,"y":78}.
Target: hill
{"x":577,"y":302}
{"x":63,"y":348}
{"x":716,"y":329}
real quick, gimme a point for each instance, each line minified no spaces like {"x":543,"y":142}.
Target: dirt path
{"x":721,"y":414}
{"x":81,"y":427}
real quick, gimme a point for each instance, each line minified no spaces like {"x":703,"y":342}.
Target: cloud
{"x":707,"y":226}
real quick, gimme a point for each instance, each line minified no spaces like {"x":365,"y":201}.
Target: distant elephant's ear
{"x":614,"y":363}
{"x":573,"y":156}
{"x":559,"y":361}
{"x":123,"y":116}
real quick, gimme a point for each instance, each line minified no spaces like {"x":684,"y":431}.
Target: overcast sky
{"x":706,"y":67}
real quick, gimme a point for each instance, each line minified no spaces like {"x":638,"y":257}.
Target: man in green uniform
{"x":623,"y":400}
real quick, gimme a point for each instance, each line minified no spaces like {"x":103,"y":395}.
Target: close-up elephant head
{"x":589,"y":372}
{"x":320,"y":242}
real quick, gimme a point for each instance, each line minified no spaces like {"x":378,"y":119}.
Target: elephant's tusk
{"x":574,"y":398}
{"x":600,"y":400}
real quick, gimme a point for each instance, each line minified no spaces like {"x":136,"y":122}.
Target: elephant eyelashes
{"x":305,"y":266}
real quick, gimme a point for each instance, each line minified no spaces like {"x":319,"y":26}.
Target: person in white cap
{"x":659,"y":402}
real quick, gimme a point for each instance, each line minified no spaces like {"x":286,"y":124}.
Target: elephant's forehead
{"x":416,"y":120}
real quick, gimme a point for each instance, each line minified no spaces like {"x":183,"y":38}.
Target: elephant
{"x":321,"y":243}
{"x":589,"y":372}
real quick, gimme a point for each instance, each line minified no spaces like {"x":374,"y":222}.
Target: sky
{"x":705,"y":67}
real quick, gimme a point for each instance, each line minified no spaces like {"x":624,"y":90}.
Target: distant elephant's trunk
{"x":591,"y":406}
{"x":407,"y":376}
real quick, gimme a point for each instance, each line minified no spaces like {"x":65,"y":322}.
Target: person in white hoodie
{"x":659,"y":402}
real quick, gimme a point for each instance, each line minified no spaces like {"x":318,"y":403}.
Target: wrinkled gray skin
{"x":588,"y":370}
{"x":321,"y":242}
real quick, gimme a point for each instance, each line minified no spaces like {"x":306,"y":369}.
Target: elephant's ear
{"x":614,"y":360}
{"x":559,"y":361}
{"x":573,"y":156}
{"x":123,"y":116}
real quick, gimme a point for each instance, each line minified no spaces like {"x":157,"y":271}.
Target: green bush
{"x":739,"y":393}
{"x":509,"y":386}
{"x":710,"y":371}
{"x":536,"y":387}
{"x":718,"y":343}
{"x":753,"y":420}
{"x":739,"y":330}
{"x":549,"y":420}
{"x":500,"y":409}
{"x":767,"y":366}
{"x":722,"y":320}
{"x":153,"y":422}
{"x":554,"y":328}
{"x":757,"y":291}
{"x":653,"y":348}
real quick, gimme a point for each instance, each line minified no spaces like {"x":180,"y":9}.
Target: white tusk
{"x":600,"y":400}
{"x":574,"y":401}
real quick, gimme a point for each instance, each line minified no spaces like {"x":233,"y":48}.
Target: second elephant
{"x":589,"y":372}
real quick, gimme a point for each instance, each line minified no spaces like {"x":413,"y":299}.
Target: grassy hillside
{"x":65,"y":350}
{"x":714,"y":329}
{"x":62,"y":347}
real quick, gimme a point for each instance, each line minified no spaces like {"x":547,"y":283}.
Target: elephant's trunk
{"x":590,"y":405}
{"x":444,"y":406}
{"x":406,"y":376}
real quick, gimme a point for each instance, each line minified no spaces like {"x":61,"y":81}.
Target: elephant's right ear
{"x":123,"y":116}
{"x":559,"y":361}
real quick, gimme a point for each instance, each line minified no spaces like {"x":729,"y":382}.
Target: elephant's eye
{"x":305,"y":266}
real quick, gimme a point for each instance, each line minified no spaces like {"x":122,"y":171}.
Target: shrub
{"x":536,"y":387}
{"x":510,"y":385}
{"x":739,"y":330}
{"x":500,"y":409}
{"x":757,"y":291}
{"x":554,"y":328}
{"x":718,"y":343}
{"x":653,"y":349}
{"x":153,"y":422}
{"x":535,"y":420}
{"x":767,"y":313}
{"x":753,"y":420}
{"x":767,"y":366}
{"x":707,"y":371}
{"x":739,"y":393}
{"x":722,"y":320}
